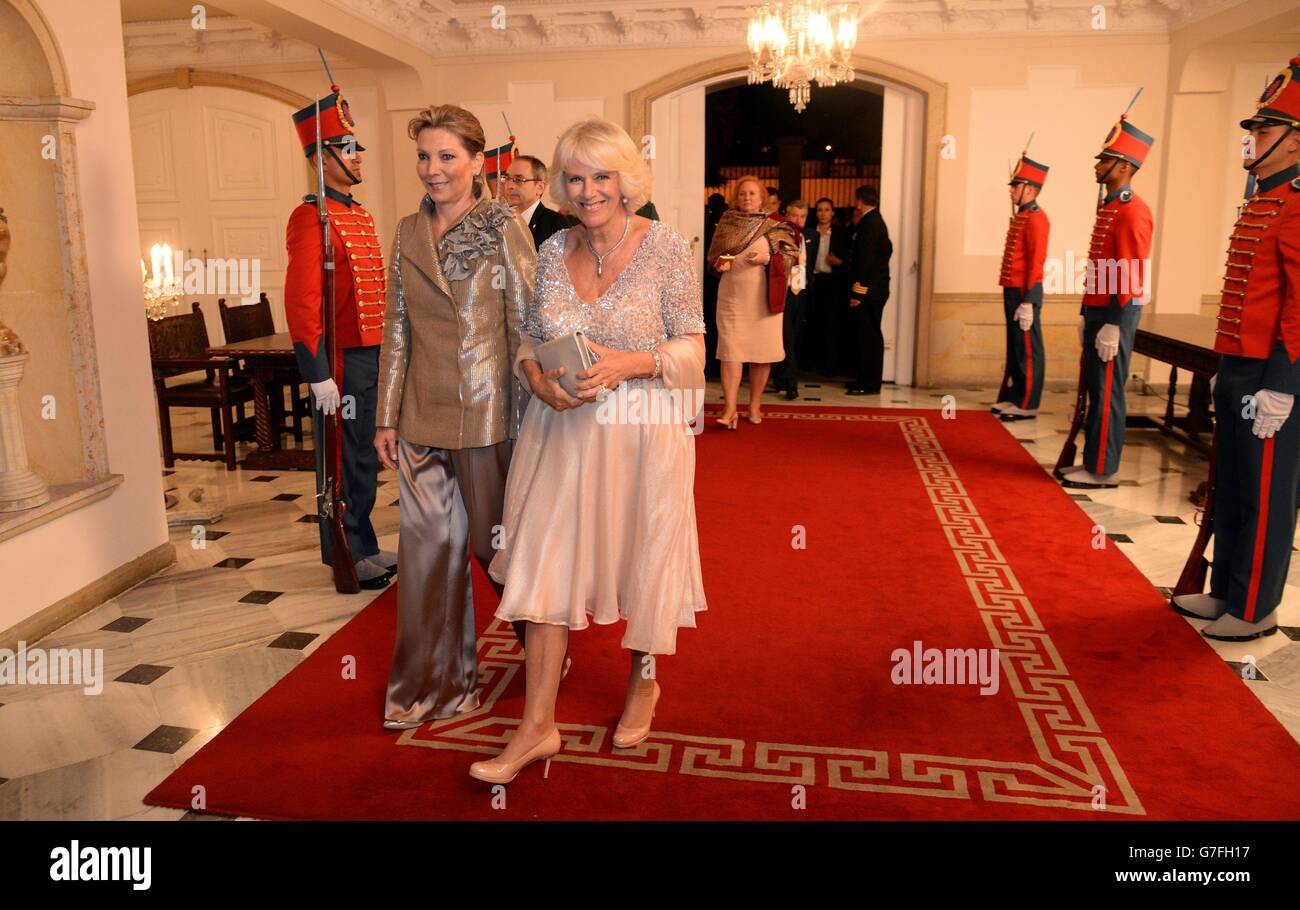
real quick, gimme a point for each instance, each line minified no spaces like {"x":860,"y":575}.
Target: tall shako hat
{"x":1029,"y":171}
{"x":336,"y":123}
{"x":1280,"y":102}
{"x":1127,"y":142}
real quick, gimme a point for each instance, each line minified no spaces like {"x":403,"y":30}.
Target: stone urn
{"x":20,"y":488}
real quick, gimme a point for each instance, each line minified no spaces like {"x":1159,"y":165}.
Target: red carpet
{"x":916,"y":529}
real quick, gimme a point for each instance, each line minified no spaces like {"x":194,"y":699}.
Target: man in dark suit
{"x":869,"y":270}
{"x":524,"y":187}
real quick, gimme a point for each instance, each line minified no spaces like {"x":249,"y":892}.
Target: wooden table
{"x":1181,"y":340}
{"x":264,"y":357}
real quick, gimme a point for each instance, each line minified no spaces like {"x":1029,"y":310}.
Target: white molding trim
{"x":584,"y":24}
{"x":458,"y":27}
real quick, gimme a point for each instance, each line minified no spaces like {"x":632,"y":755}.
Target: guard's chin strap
{"x":1101,"y":182}
{"x":1260,"y":160}
{"x":339,"y":161}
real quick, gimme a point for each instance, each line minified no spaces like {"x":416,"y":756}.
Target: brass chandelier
{"x":801,"y":43}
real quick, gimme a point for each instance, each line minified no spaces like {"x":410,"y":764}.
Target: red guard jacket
{"x":1119,"y":253}
{"x":1259,"y":308}
{"x":359,"y":282}
{"x":1025,"y":249}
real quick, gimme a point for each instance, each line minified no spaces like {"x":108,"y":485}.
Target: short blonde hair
{"x":602,"y":144}
{"x":748,"y":178}
{"x":450,"y":117}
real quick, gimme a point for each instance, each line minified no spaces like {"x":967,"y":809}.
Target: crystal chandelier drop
{"x":802,"y":43}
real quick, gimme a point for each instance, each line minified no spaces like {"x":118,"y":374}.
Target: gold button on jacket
{"x":445,"y":366}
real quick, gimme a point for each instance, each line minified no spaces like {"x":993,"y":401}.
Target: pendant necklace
{"x":600,"y":260}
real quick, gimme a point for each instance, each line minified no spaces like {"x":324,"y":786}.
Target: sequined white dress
{"x":599,"y":516}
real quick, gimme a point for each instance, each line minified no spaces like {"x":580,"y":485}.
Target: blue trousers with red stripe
{"x":1256,"y":484}
{"x":1104,"y":424}
{"x":1024,"y":349}
{"x":359,"y":461}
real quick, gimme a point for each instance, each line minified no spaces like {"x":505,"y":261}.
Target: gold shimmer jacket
{"x":452,"y":328}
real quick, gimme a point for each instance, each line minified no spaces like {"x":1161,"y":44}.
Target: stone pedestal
{"x":19,"y":487}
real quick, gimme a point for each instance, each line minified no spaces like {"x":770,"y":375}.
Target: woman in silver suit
{"x":449,"y":406}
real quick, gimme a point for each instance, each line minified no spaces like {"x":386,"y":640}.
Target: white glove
{"x":326,"y":395}
{"x":1025,"y":316}
{"x":1271,"y":411}
{"x":1108,"y":342}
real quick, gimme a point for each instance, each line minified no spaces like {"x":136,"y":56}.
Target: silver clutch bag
{"x":570,"y":352}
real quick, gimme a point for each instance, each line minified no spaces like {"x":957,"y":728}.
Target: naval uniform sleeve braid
{"x":394,"y":350}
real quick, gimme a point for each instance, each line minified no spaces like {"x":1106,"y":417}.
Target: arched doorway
{"x":218,"y":168}
{"x":47,"y":301}
{"x":671,"y":111}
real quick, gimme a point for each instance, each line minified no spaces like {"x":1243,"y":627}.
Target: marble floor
{"x":190,"y":648}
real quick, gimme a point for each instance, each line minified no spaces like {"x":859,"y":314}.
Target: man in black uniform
{"x":869,"y":271}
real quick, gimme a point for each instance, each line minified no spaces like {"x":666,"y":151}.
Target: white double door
{"x":217,"y":172}
{"x":677,"y":124}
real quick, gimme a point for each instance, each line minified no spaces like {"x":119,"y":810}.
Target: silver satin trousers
{"x":450,"y":501}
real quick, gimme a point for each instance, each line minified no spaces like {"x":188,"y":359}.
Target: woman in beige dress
{"x":449,"y":407}
{"x":748,"y":331}
{"x":600,"y":507}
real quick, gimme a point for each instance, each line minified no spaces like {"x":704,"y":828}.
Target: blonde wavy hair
{"x":748,"y":178}
{"x":605,"y":145}
{"x":455,"y":120}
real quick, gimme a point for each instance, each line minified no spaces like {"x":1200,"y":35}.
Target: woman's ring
{"x":602,"y":394}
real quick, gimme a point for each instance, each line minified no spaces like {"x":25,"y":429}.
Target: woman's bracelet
{"x":659,"y":366}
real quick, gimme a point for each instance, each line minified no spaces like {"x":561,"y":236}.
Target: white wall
{"x":56,"y":559}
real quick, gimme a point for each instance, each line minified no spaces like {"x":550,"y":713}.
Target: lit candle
{"x":155,"y":254}
{"x":144,"y":273}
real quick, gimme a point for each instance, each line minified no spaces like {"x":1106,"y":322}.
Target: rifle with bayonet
{"x":329,"y":498}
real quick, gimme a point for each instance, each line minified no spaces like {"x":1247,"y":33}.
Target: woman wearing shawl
{"x":753,"y":253}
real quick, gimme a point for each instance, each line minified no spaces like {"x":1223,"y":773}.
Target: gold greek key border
{"x":1074,"y":757}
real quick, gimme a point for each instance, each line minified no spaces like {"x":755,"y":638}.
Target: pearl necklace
{"x":600,"y":260}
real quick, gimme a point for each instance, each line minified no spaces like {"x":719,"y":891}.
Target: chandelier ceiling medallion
{"x":794,"y":45}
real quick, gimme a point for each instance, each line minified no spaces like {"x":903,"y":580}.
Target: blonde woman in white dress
{"x":600,"y":514}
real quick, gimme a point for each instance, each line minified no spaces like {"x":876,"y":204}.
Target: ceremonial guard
{"x":1116,"y":289}
{"x":1022,"y":293}
{"x":351,"y":382}
{"x":1257,"y":440}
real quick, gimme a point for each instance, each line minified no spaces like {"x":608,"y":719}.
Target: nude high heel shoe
{"x":495,"y":771}
{"x":626,"y":737}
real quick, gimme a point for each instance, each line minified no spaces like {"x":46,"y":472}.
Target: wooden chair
{"x":242,"y":322}
{"x":178,"y":345}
